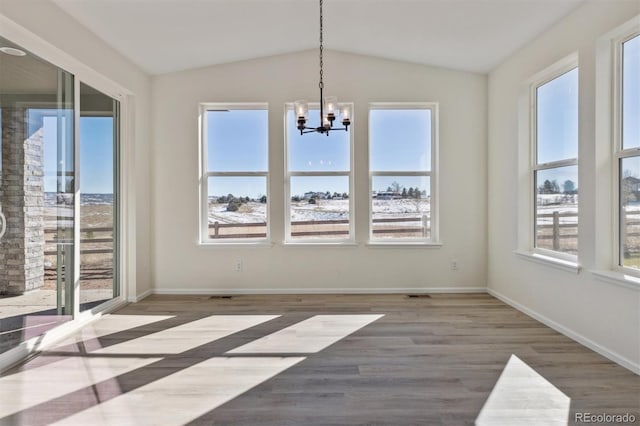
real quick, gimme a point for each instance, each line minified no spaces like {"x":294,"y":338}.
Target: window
{"x":99,"y":127}
{"x":319,"y":183}
{"x":402,"y":166}
{"x":627,"y":131}
{"x":234,"y":183}
{"x":555,"y":162}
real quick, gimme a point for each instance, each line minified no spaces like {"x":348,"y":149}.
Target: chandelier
{"x":329,"y":107}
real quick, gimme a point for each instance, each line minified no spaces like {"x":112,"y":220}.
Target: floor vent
{"x":220,"y":297}
{"x":419,"y":296}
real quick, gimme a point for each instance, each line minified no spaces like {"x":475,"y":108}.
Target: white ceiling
{"x":169,"y":35}
{"x":26,"y":74}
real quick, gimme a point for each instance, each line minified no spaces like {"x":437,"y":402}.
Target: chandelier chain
{"x":321,"y":85}
{"x":301,"y":108}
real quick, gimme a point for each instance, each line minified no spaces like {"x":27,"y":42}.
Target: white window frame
{"x":205,"y":174}
{"x":618,"y":152}
{"x":545,"y":76}
{"x":288,"y":240}
{"x":432,"y":174}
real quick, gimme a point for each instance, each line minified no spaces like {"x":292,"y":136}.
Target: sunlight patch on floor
{"x":111,"y":324}
{"x":184,"y":396}
{"x":35,"y":386}
{"x":521,"y":396}
{"x":308,"y":336}
{"x":187,"y":336}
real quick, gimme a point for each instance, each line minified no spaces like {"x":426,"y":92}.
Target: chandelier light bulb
{"x":345,"y":112}
{"x":326,"y":121}
{"x":330,"y":105}
{"x":301,"y":109}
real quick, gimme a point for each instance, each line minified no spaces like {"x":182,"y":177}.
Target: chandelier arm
{"x":320,"y":129}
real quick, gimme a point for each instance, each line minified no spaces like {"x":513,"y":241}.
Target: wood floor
{"x":316,"y":360}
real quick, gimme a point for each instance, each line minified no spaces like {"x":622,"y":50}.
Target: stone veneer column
{"x":22,"y":196}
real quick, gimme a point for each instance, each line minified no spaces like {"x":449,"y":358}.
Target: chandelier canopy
{"x":330,"y":109}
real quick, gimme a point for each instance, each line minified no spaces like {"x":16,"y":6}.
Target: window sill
{"x":235,"y":244}
{"x":350,"y":244}
{"x":617,"y":278}
{"x":405,"y":244}
{"x":565,"y":265}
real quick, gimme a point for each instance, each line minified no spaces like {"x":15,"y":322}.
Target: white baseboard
{"x":253,"y":291}
{"x":104,"y":308}
{"x":613,"y":356}
{"x":139,"y":297}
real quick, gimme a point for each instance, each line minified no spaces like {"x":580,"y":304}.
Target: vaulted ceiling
{"x":169,"y":35}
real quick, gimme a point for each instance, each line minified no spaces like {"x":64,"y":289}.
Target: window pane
{"x":400,"y":139}
{"x":314,"y":151}
{"x":557,"y":209}
{"x":237,"y":140}
{"x":237,"y":207}
{"x":99,"y":121}
{"x":319,"y":207}
{"x":557,"y":118}
{"x":401,"y":207}
{"x":631,"y":93}
{"x":630,"y":212}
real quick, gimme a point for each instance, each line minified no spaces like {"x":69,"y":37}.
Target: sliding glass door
{"x":99,"y":141}
{"x":37,"y":180}
{"x":58,"y":154}
{"x":59,"y":180}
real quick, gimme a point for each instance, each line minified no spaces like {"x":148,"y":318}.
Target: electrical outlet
{"x":238,"y":265}
{"x":454,"y":264}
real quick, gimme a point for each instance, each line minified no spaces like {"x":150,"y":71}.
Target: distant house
{"x":388,"y":195}
{"x":630,"y":189}
{"x":312,"y":194}
{"x":631,"y":184}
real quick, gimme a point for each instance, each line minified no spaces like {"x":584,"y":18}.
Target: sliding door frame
{"x":125,"y":234}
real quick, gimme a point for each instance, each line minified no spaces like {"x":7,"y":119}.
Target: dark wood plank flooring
{"x":428,"y":361}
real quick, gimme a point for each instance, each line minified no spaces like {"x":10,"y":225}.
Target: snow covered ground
{"x":254,"y":212}
{"x":549,"y":199}
{"x":323,"y":210}
{"x":566,"y":205}
{"x":251,"y":212}
{"x":400,"y":208}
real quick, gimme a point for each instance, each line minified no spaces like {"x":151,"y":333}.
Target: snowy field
{"x":566,"y":205}
{"x":254,"y":212}
{"x":568,"y":209}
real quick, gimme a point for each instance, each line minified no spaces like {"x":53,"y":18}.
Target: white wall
{"x":600,"y":314}
{"x":180,"y":265}
{"x":51,"y":24}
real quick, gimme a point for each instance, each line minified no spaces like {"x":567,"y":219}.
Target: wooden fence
{"x":87,"y":236}
{"x":556,"y":226}
{"x":103,"y":235}
{"x":217,"y":230}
